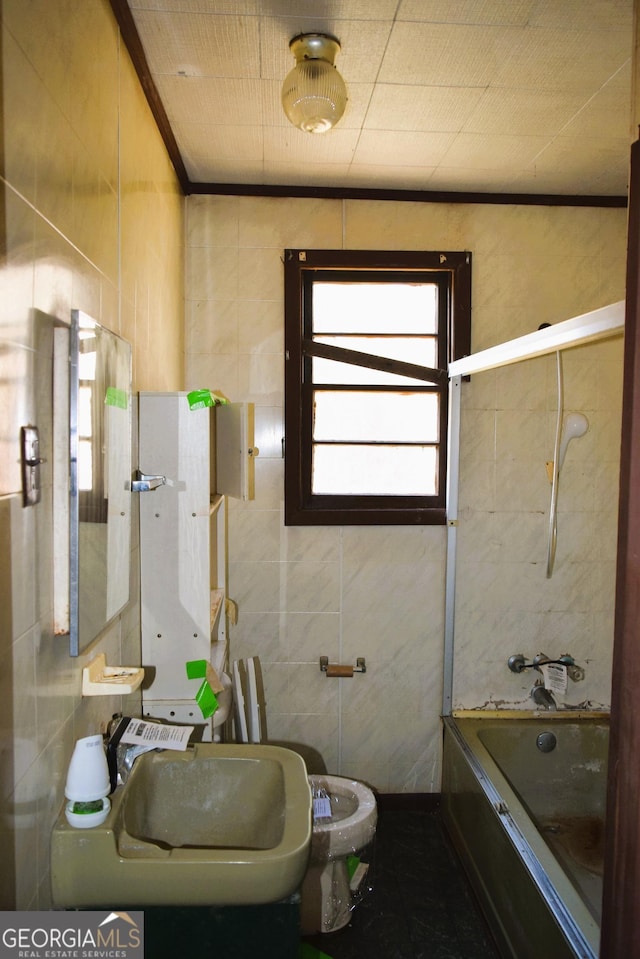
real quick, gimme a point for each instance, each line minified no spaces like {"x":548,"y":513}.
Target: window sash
{"x":304,"y":503}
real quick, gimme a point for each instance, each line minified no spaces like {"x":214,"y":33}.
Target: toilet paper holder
{"x":335,"y":669}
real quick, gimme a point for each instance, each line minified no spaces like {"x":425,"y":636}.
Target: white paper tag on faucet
{"x":555,"y":677}
{"x":156,"y":735}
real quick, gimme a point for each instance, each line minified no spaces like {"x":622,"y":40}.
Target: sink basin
{"x":215,"y":825}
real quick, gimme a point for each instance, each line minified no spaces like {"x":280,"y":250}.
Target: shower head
{"x":575,"y":425}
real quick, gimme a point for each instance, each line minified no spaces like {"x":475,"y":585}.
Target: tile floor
{"x":420,"y":906}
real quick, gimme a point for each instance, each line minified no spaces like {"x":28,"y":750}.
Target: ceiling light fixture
{"x":314,"y":95}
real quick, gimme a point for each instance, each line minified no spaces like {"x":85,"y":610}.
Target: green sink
{"x":215,"y":825}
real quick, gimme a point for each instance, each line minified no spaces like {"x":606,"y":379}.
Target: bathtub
{"x":528,"y":826}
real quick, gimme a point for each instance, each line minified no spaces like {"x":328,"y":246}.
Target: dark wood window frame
{"x":452,"y":271}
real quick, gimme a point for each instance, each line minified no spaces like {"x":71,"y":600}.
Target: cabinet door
{"x":235,"y":451}
{"x":174,"y":541}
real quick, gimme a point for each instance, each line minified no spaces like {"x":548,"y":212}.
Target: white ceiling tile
{"x":310,"y":175}
{"x":213,"y":7}
{"x":601,"y":117}
{"x":586,"y":158}
{"x":333,"y":9}
{"x":488,"y":12}
{"x":215,"y":141}
{"x":594,"y":15}
{"x":389,"y":177}
{"x":449,"y":55}
{"x":402,"y":107}
{"x":470,"y":180}
{"x":493,"y":152}
{"x":523,"y":112}
{"x":403,"y":148}
{"x":200,"y":45}
{"x":237,"y":170}
{"x":208,"y":100}
{"x":287,"y":144}
{"x":568,"y":60}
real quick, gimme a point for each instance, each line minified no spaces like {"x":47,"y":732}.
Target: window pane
{"x":85,"y":419}
{"x":422,"y":351}
{"x":328,"y":371}
{"x":85,"y":465}
{"x":377,"y":417}
{"x":87,"y":365}
{"x":374,"y":307}
{"x":375,"y":470}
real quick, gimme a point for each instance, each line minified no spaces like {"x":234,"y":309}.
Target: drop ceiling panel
{"x":403,"y":148}
{"x":213,"y":7}
{"x":493,"y":152}
{"x":211,"y":100}
{"x":286,"y":144}
{"x":574,"y":60}
{"x":201,"y":45}
{"x":445,"y":54}
{"x":312,"y":174}
{"x":471,"y":95}
{"x":400,"y":107}
{"x":217,"y":142}
{"x":390,"y":177}
{"x":523,"y":112}
{"x":488,"y":12}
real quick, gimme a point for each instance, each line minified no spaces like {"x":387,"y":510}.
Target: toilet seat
{"x":356,"y":829}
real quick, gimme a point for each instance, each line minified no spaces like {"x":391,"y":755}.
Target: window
{"x":368,"y":337}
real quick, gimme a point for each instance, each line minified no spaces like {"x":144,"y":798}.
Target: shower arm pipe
{"x":589,"y":327}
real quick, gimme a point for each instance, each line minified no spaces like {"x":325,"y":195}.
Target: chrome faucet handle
{"x":145,"y":482}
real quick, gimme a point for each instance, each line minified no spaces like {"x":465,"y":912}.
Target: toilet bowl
{"x":331,"y":888}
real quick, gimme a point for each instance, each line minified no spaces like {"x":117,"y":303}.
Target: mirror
{"x":99,"y":479}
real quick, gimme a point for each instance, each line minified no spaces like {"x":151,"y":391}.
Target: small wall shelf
{"x":98,"y":679}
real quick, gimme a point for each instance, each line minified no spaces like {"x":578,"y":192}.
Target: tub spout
{"x":542,"y":697}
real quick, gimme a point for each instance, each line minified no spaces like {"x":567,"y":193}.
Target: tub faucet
{"x":542,"y":697}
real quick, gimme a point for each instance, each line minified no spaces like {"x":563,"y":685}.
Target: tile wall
{"x":379,"y":592}
{"x":92,"y":218}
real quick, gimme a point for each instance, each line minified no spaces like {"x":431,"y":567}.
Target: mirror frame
{"x":81,"y":321}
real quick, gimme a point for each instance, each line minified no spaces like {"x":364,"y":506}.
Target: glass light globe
{"x":314,"y":95}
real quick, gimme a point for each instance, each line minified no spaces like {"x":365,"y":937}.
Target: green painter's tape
{"x":352,"y":864}
{"x":307,"y":951}
{"x":206,"y":700}
{"x":116,"y":397}
{"x":199,"y":399}
{"x":196,"y":669}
